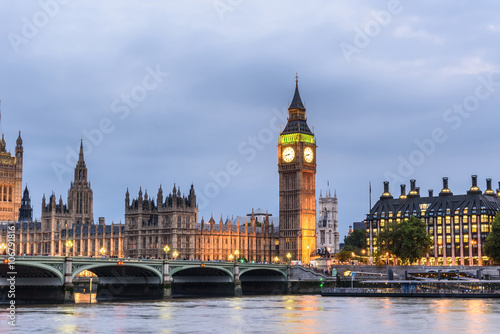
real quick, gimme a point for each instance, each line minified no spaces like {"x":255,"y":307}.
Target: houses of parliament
{"x":167,"y":225}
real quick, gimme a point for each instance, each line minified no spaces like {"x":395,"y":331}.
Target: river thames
{"x":264,"y":314}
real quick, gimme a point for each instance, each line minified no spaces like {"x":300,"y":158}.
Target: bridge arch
{"x":110,"y":268}
{"x":177,"y":270}
{"x":23,"y":269}
{"x":272,"y":272}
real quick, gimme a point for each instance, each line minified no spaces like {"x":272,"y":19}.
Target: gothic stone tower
{"x":297,"y":185}
{"x":328,"y":223}
{"x":80,"y":195}
{"x":11,"y":180}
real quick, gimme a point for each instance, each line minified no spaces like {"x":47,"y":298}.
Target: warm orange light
{"x":5,"y":261}
{"x":202,"y":265}
{"x":120,"y":263}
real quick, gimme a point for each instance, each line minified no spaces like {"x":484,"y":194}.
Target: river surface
{"x":265,"y":314}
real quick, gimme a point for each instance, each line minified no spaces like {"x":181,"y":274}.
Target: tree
{"x":343,"y":256}
{"x":356,"y":241}
{"x":411,"y":241}
{"x":492,"y":244}
{"x":407,"y":240}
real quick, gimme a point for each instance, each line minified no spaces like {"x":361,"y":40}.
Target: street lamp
{"x":175,"y":254}
{"x":289,"y":256}
{"x":237,"y":255}
{"x":69,"y":244}
{"x":276,"y":259}
{"x":166,"y":249}
{"x":230,"y":257}
{"x":387,"y":256}
{"x":3,"y":247}
{"x":102,"y":251}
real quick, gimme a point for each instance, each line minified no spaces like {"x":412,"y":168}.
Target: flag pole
{"x":370,"y":202}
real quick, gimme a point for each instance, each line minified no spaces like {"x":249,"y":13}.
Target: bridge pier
{"x":167,"y":281}
{"x":238,"y":292}
{"x":68,"y":287}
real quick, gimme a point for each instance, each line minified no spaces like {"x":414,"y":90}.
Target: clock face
{"x":308,"y":154}
{"x":288,"y":154}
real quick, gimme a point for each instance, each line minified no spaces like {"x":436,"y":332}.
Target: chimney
{"x":445,"y":191}
{"x":386,"y":194}
{"x":431,"y":193}
{"x":474,"y":189}
{"x":403,"y":191}
{"x":101,"y":221}
{"x":414,"y":191}
{"x":489,"y":191}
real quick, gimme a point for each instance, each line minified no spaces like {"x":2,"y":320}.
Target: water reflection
{"x":276,"y":314}
{"x":85,"y":298}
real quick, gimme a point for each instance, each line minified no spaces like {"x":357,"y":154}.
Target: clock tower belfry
{"x":297,"y":184}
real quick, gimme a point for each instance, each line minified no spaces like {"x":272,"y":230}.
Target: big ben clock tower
{"x":297,"y":171}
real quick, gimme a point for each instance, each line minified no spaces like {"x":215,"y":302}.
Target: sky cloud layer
{"x":166,"y":92}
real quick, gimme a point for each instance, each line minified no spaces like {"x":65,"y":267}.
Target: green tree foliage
{"x":492,"y":244}
{"x":356,"y":241}
{"x":343,"y":256}
{"x":407,"y":240}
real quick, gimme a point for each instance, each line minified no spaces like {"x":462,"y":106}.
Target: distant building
{"x":457,"y":224}
{"x":327,"y":227}
{"x":11,"y":180}
{"x":358,"y":226}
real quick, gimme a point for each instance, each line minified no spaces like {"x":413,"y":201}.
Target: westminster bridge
{"x":52,"y":278}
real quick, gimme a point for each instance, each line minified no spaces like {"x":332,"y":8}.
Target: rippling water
{"x":270,"y":314}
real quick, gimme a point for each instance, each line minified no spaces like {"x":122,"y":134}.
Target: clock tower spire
{"x":297,"y":184}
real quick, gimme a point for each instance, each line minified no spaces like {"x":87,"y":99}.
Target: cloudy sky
{"x":194,"y":92}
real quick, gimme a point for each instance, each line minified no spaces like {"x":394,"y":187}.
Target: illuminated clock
{"x":288,"y":154}
{"x":308,"y":154}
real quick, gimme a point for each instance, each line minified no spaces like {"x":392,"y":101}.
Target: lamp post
{"x":237,"y":255}
{"x":102,"y":251}
{"x":69,"y":244}
{"x":230,"y":257}
{"x":3,"y":247}
{"x":276,"y":259}
{"x":166,"y":249}
{"x":289,"y":256}
{"x":175,"y":254}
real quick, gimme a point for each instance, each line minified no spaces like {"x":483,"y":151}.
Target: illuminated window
{"x":466,"y":210}
{"x":474,"y":219}
{"x":474,"y":228}
{"x":465,"y":219}
{"x":466,"y":238}
{"x":448,"y":219}
{"x":439,"y":220}
{"x":440,"y":229}
{"x":457,"y":239}
{"x":399,"y":214}
{"x":484,"y":218}
{"x":448,"y":239}
{"x":382,"y":224}
{"x":448,"y":229}
{"x":457,"y":219}
{"x":440,"y":239}
{"x":485,"y":228}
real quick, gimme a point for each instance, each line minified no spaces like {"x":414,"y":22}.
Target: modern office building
{"x":457,"y":224}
